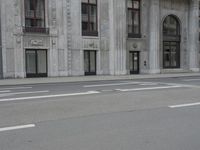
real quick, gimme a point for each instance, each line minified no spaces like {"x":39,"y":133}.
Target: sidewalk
{"x":91,"y":78}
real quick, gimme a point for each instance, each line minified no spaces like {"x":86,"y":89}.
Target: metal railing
{"x":41,"y":30}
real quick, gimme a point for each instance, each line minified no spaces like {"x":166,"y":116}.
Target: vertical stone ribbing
{"x":1,"y":61}
{"x":154,"y":36}
{"x":193,"y":45}
{"x":69,"y":37}
{"x":117,"y":37}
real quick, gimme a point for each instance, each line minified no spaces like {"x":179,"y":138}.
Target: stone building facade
{"x":98,"y":37}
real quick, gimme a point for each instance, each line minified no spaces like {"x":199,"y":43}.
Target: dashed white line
{"x":17,"y":127}
{"x":15,"y":88}
{"x":148,"y":84}
{"x":32,"y":92}
{"x":113,"y":84}
{"x":5,"y":91}
{"x":150,"y":88}
{"x":184,"y":105}
{"x":188,"y":80}
{"x":49,"y":96}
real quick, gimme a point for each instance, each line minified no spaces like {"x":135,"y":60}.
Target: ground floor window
{"x":90,"y":62}
{"x":36,"y":63}
{"x":171,"y":54}
{"x":134,"y":62}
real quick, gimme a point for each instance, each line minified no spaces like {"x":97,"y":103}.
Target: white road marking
{"x":49,"y":96}
{"x":150,"y":88}
{"x":149,"y":84}
{"x":184,"y":105}
{"x":17,"y":127}
{"x":188,"y":80}
{"x":5,"y":91}
{"x":15,"y":88}
{"x":32,"y":92}
{"x":112,"y":84}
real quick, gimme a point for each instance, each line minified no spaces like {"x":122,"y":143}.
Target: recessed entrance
{"x":171,"y":43}
{"x":36,"y":63}
{"x":134,"y":62}
{"x":90,"y":62}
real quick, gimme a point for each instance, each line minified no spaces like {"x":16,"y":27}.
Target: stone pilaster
{"x":1,"y":61}
{"x":154,"y":36}
{"x":193,"y":45}
{"x":117,"y":23}
{"x":53,"y":53}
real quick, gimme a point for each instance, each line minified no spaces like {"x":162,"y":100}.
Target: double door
{"x":171,"y":54}
{"x":90,"y":62}
{"x":134,"y":62}
{"x":36,"y":63}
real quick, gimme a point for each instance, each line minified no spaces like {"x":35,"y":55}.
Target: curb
{"x":26,"y":81}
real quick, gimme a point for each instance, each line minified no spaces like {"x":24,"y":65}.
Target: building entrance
{"x":134,"y":62}
{"x":36,"y":63}
{"x":171,"y":43}
{"x":90,"y":62}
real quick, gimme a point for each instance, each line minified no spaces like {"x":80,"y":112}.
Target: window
{"x":171,"y":42}
{"x":35,"y":16}
{"x":89,"y":18}
{"x":171,"y":26}
{"x":134,"y":18}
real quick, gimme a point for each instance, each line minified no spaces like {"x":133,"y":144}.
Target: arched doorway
{"x":171,"y":43}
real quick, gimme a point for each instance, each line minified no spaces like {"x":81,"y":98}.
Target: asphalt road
{"x":148,"y":114}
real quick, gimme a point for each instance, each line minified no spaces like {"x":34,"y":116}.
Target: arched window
{"x":171,"y":26}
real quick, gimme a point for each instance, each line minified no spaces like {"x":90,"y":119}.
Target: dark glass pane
{"x":130,"y":3}
{"x":30,"y":62}
{"x":92,"y":61}
{"x":89,"y":18}
{"x":133,"y":19}
{"x":93,"y":18}
{"x":85,"y":26}
{"x":136,"y":22}
{"x":41,"y":61}
{"x":35,"y":12}
{"x":86,"y":61}
{"x":135,"y":58}
{"x":136,"y":4}
{"x":171,"y":26}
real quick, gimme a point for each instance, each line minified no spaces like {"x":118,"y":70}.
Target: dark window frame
{"x":33,"y":75}
{"x":172,"y":38}
{"x":88,"y":53}
{"x":90,"y":32}
{"x":34,"y":28}
{"x":177,"y":55}
{"x":132,"y":70}
{"x":133,"y":10}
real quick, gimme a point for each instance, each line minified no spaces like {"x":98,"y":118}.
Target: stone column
{"x":117,"y":24}
{"x":154,"y":36}
{"x":193,"y":45}
{"x":1,"y":61}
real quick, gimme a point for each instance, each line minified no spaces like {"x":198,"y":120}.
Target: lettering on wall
{"x":36,"y":42}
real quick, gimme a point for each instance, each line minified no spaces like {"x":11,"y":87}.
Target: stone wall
{"x":65,"y":43}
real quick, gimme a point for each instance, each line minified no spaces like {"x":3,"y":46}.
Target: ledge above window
{"x":40,"y":30}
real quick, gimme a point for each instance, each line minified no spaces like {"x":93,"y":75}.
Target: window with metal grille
{"x":89,"y":18}
{"x":134,"y":29}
